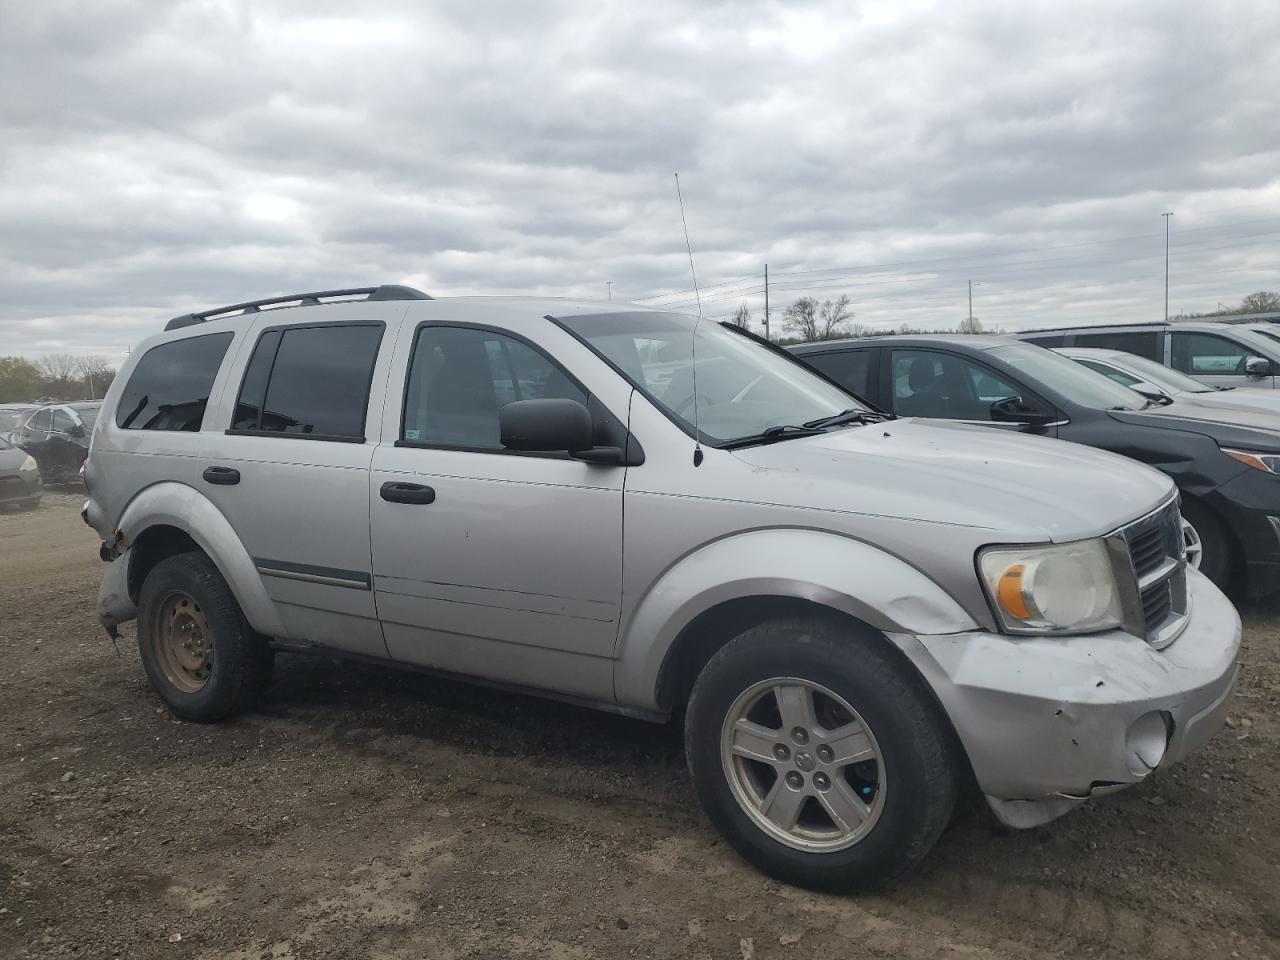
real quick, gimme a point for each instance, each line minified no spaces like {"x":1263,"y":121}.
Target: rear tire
{"x":1217,"y":561}
{"x":845,"y":823}
{"x":199,"y":652}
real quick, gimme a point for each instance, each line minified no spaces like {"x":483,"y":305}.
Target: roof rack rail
{"x":388,"y":291}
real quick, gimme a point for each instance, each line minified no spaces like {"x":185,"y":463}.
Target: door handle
{"x":396,"y":492}
{"x":223,"y":476}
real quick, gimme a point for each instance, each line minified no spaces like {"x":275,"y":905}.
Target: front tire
{"x":1207,"y":537}
{"x":820,"y":757}
{"x":199,"y":652}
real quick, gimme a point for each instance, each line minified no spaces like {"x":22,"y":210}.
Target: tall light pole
{"x":609,"y":286}
{"x":1166,"y":265}
{"x":971,"y":286}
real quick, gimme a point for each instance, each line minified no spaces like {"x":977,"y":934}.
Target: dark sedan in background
{"x":19,"y":479}
{"x":56,"y":434}
{"x":1225,"y":464}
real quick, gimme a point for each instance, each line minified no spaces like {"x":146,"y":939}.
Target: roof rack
{"x":388,"y":291}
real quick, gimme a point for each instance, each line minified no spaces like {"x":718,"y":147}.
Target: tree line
{"x":57,"y":376}
{"x":808,"y":319}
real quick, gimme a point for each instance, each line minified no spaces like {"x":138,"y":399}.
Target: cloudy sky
{"x":157,"y":157}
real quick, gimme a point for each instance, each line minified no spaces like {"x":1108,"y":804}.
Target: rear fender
{"x":834,"y":571}
{"x":178,"y":505}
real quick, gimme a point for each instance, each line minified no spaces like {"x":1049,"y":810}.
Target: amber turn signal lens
{"x":1009,"y":592}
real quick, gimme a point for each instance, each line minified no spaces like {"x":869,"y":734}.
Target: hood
{"x":1261,"y":401}
{"x":1013,"y":483}
{"x":1231,"y":426}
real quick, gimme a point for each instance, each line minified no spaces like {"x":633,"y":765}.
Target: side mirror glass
{"x":545,"y":426}
{"x":1257,"y":367}
{"x":1016,"y":410}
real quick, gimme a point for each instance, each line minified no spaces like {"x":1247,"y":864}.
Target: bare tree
{"x":812,"y":320}
{"x":59,"y":375}
{"x":1262,"y":301}
{"x":741,"y":317}
{"x":96,"y":375}
{"x":971,"y":325}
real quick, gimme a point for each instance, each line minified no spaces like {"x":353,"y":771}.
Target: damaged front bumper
{"x":1049,"y":721}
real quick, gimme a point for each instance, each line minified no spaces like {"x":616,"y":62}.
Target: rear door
{"x":487,"y":562}
{"x":291,"y":471}
{"x":1215,"y":359}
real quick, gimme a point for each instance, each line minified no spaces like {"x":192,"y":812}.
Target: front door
{"x":1215,"y":360}
{"x":486,"y":562}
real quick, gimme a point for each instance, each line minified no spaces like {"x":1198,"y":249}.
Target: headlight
{"x":1269,"y":462}
{"x":1052,"y":588}
{"x":28,"y":465}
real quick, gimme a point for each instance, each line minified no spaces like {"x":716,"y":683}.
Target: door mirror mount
{"x":1257,"y":367}
{"x":1016,"y":410}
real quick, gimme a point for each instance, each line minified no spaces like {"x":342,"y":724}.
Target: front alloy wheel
{"x":803,"y":764}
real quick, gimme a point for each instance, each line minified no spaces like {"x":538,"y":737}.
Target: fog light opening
{"x":1146,"y":742}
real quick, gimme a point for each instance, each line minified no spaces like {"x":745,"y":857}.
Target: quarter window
{"x":310,"y":382}
{"x":1206,"y":354}
{"x":462,"y":376}
{"x":169,"y":388}
{"x":1143,"y":343}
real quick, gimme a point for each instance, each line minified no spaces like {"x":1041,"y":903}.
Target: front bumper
{"x":1047,"y":722}
{"x":21,"y":486}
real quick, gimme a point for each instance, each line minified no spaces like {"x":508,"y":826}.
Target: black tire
{"x":1218,"y":559}
{"x":921,"y":774}
{"x":241,"y":660}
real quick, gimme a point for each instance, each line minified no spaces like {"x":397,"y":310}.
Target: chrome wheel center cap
{"x":804,"y":760}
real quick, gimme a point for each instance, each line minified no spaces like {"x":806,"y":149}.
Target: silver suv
{"x":855,"y":616}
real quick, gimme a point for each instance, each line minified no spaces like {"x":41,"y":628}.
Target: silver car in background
{"x":854,"y":615}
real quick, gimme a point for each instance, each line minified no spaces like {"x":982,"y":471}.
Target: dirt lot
{"x":369,"y":813}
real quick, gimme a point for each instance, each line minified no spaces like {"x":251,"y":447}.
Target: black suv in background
{"x":1225,"y":465}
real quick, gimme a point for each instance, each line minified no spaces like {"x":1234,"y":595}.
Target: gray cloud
{"x":158,"y":157}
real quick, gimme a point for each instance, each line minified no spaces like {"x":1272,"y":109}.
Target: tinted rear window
{"x":169,"y":388}
{"x":847,"y":368}
{"x":1143,"y":343}
{"x":310,"y":382}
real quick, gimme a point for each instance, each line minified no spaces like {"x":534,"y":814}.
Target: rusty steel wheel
{"x":183,"y":642}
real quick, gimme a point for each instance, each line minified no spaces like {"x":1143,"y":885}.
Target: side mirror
{"x":545,"y":426}
{"x":76,"y":430}
{"x":1257,"y":367}
{"x":1150,"y":392}
{"x":1015,"y":410}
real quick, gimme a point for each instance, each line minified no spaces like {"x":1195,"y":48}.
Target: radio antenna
{"x":693,"y":349}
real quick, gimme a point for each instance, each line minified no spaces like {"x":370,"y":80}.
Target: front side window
{"x":169,"y":388}
{"x":310,"y":382}
{"x":461,"y":377}
{"x":743,"y":387}
{"x":945,"y":386}
{"x":1206,"y":354}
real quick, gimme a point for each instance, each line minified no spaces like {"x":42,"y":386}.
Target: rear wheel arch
{"x":150,"y":547}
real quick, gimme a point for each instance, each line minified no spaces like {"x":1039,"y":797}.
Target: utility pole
{"x":971,"y":286}
{"x":1166,"y":265}
{"x":609,"y":285}
{"x":766,"y":301}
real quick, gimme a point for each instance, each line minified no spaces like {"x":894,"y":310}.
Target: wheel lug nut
{"x":781,"y":751}
{"x":825,"y":753}
{"x":794,"y":780}
{"x":800,"y":735}
{"x":821,"y":781}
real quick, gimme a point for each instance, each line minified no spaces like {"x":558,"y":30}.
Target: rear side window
{"x":1143,"y":343}
{"x":847,"y":368}
{"x":169,"y":388}
{"x":462,"y":376}
{"x":310,"y":382}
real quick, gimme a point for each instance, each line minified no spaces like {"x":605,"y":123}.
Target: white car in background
{"x":1155,"y":380}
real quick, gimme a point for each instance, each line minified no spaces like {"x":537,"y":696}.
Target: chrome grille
{"x":1157,"y":552}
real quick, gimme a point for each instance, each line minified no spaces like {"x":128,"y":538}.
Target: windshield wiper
{"x":852,"y":415}
{"x":783,"y":431}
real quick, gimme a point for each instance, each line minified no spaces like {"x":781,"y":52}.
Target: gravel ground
{"x":363,"y":812}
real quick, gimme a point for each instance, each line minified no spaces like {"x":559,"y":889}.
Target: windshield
{"x":1269,"y":334}
{"x":1069,"y":379}
{"x":1162,"y":376}
{"x":744,"y":388}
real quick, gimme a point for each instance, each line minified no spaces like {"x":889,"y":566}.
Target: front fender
{"x":835,"y":571}
{"x":178,"y":505}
